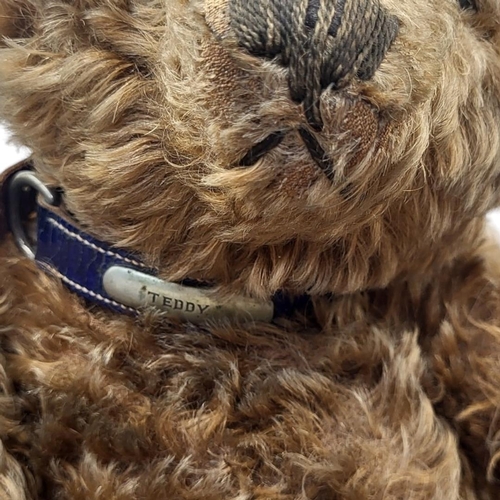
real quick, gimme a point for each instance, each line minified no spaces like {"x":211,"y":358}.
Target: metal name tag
{"x":138,"y":290}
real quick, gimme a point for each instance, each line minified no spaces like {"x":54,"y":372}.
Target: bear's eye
{"x":468,"y":4}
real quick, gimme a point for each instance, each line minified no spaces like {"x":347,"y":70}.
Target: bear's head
{"x":319,"y":146}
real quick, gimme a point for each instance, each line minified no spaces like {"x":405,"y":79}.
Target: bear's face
{"x":307,"y":145}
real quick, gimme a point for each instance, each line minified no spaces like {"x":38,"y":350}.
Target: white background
{"x":10,"y":154}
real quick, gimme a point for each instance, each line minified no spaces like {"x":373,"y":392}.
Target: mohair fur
{"x":386,"y":387}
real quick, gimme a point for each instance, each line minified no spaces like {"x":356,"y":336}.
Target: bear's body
{"x":227,"y":142}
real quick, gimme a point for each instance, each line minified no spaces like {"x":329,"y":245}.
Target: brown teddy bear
{"x":251,"y":255}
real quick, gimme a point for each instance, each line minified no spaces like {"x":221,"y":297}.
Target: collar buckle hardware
{"x":23,"y":189}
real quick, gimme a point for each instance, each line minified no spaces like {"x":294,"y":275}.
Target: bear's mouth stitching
{"x":272,"y":141}
{"x":262,"y":148}
{"x":318,"y":154}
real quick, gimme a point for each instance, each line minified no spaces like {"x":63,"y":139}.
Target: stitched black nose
{"x":324,"y":43}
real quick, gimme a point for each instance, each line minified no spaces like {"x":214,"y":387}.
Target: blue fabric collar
{"x":82,"y":262}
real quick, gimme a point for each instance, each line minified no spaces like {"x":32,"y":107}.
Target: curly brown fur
{"x":387,"y":388}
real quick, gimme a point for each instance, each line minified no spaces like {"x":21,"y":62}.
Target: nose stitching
{"x":324,"y":43}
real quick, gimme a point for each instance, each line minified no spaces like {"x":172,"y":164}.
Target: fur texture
{"x":386,"y":387}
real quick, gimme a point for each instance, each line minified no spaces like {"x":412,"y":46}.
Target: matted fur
{"x":388,"y":387}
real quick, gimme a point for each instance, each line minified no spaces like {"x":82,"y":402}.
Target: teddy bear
{"x":248,"y":257}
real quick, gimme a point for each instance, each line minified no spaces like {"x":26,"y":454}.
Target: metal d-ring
{"x":19,"y":187}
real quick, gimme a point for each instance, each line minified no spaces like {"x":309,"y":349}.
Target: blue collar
{"x":116,"y":279}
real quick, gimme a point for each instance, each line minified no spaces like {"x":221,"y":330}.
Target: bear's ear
{"x":16,"y":19}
